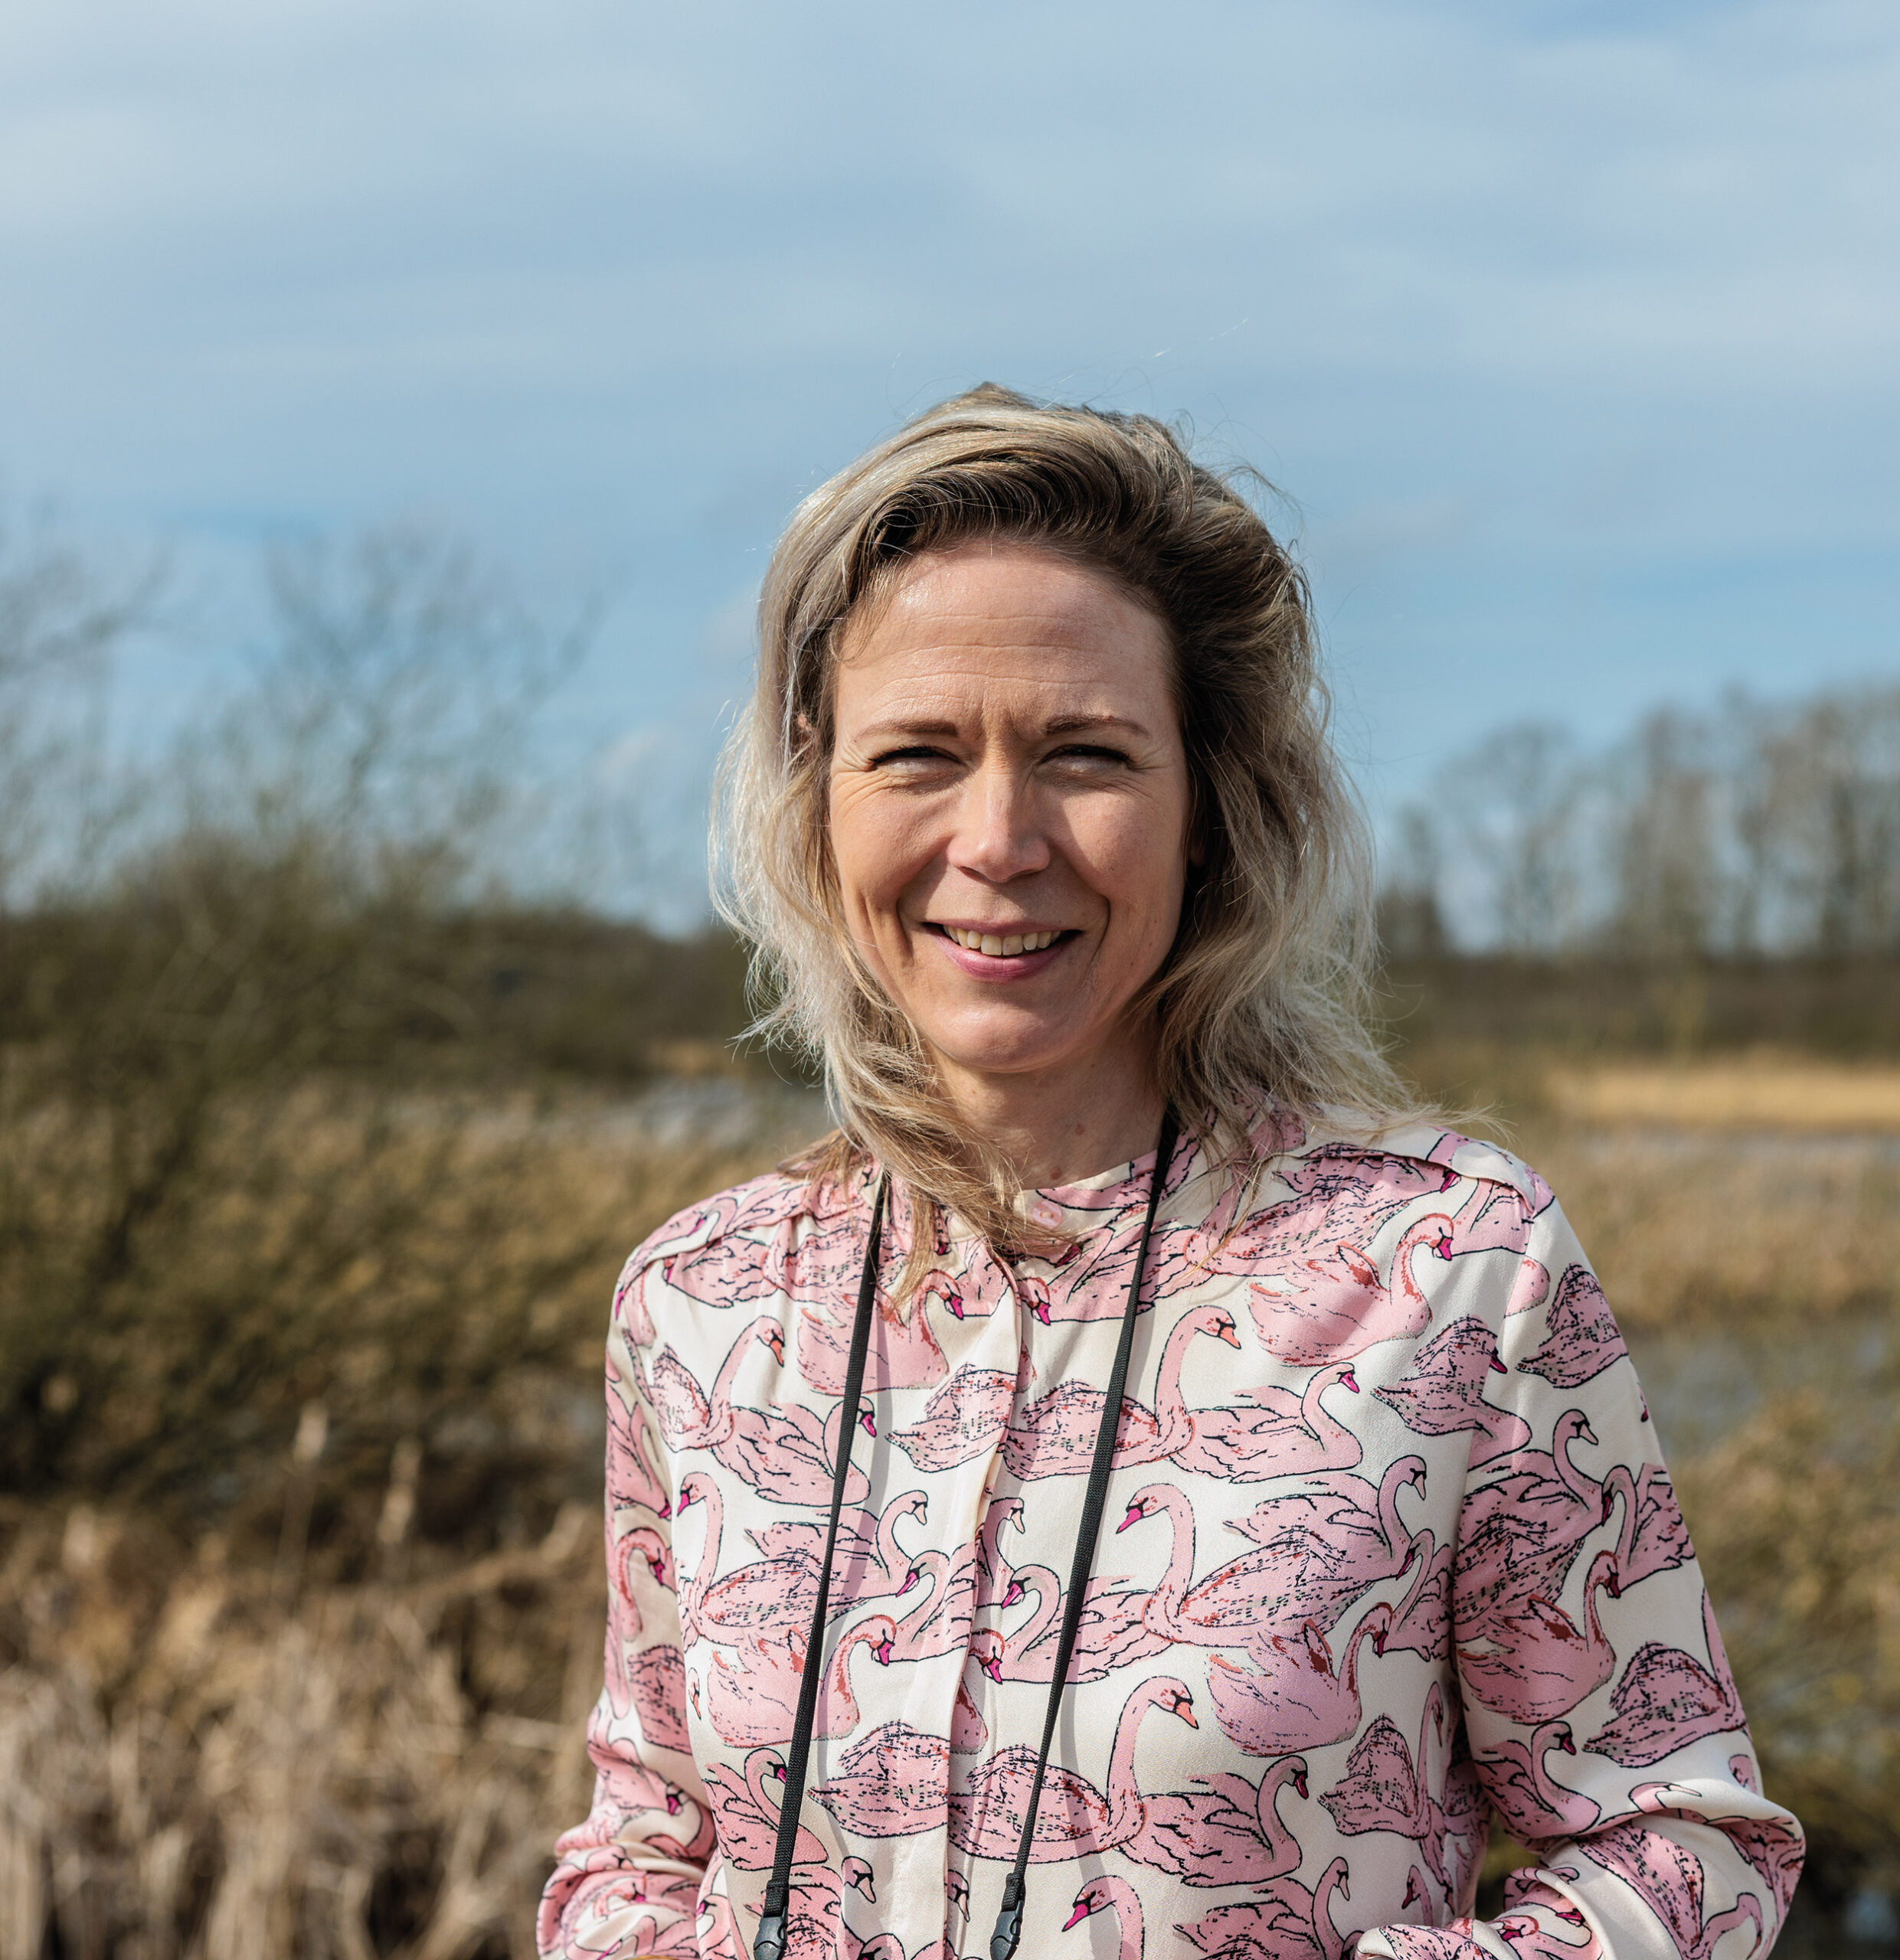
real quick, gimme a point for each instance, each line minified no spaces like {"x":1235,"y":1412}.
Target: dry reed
{"x":335,"y":1710}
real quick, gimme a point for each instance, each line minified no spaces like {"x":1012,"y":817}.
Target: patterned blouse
{"x":1389,"y":1547}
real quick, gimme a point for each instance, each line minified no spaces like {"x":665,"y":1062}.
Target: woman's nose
{"x":998,"y":835}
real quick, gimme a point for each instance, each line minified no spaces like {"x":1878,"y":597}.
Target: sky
{"x":1568,"y":332}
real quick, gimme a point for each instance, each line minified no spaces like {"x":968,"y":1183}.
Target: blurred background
{"x":398,"y":405}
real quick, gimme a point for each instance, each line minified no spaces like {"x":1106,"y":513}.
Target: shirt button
{"x":1044,"y":1213}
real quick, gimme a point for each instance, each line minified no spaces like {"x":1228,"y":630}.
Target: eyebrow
{"x":1061,"y":724}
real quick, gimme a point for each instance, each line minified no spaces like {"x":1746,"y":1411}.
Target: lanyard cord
{"x":769,"y":1942}
{"x":1003,"y":1941}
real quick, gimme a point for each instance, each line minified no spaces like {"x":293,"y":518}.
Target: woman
{"x":1034,"y":822}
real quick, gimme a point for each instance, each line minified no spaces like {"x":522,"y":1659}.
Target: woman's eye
{"x":1087,"y":756}
{"x":910,"y":758}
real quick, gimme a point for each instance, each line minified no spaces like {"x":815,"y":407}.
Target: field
{"x":300,"y":1594}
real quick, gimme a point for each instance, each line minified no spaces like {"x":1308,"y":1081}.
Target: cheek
{"x":1137,"y":859}
{"x":875,"y":849}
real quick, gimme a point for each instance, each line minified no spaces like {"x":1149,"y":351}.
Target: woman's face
{"x":1009,"y":808}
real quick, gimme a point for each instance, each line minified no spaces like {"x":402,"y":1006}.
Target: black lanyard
{"x":769,"y":1944}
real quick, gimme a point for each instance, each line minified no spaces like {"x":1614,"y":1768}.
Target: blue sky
{"x":1569,"y":330}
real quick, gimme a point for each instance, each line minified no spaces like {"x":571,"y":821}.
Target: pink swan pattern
{"x":1299,"y":1700}
{"x":1443,"y":1393}
{"x":1581,"y":1339}
{"x":1667,"y":1699}
{"x":1075,"y":1819}
{"x":1055,"y":1435}
{"x":1343,"y":1307}
{"x":1388,"y":1546}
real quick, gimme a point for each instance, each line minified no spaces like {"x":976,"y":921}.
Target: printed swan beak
{"x":1082,"y":1909}
{"x":1349,"y":1379}
{"x":1229,"y":1335}
{"x":1498,"y":1366}
{"x":1442,"y":1245}
{"x":1135,"y":1514}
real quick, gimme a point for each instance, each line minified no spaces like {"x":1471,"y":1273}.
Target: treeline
{"x":1761,"y":829}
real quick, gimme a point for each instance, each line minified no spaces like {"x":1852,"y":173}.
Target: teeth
{"x":1004,"y":947}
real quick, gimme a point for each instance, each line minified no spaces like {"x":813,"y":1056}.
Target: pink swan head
{"x":986,"y":1650}
{"x":1177,"y":1701}
{"x":941,"y":1286}
{"x":857,"y":1874}
{"x":774,"y":1337}
{"x":1144,"y":1504}
{"x":1603,"y":1572}
{"x":1220,"y":1324}
{"x":1094,"y":1897}
{"x":911,"y":1579}
{"x":866,"y":1420}
{"x":693,"y":1490}
{"x":1348,"y":1381}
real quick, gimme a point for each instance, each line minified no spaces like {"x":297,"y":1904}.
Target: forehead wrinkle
{"x":1057,"y":724}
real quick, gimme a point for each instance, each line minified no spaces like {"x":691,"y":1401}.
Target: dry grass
{"x":191,"y":1762}
{"x":330,"y":1712}
{"x":1793,"y":1094}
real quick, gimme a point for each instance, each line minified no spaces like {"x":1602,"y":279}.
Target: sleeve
{"x":1601,"y":1714}
{"x":628,"y":1879}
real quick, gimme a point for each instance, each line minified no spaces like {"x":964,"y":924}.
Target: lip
{"x":997,"y":966}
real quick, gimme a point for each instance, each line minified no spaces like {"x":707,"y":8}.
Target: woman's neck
{"x":1059,"y":1126}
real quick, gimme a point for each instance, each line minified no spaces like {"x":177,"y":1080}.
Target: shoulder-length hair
{"x":1265,"y":988}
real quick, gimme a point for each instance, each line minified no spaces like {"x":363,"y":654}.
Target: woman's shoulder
{"x":753,"y":1211}
{"x":707,"y":1246}
{"x":1348,"y":1157}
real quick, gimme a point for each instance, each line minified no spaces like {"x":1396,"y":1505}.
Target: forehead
{"x":1006,"y":623}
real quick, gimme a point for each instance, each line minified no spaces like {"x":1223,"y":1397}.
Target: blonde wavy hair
{"x":1266,"y":987}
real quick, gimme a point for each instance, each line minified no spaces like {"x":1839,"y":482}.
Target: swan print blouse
{"x":1389,"y":1547}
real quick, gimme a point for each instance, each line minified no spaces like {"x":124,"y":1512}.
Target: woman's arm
{"x":1602,"y":1722}
{"x":629,"y":1878}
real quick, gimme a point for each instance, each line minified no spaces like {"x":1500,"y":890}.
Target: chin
{"x":988,"y":1051}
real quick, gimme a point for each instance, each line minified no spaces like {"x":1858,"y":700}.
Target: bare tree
{"x":1411,"y":923}
{"x":62,"y":614}
{"x":1668,"y":877}
{"x":1512,"y":804}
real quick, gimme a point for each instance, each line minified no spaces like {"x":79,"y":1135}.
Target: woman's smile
{"x":1002,"y":956}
